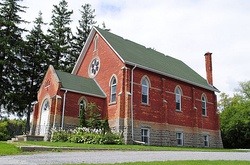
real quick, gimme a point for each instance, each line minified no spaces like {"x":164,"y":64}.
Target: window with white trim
{"x":179,"y":138}
{"x":145,"y":135}
{"x":113,"y":90}
{"x":206,"y":141}
{"x":178,"y":99}
{"x":145,"y":91}
{"x":82,"y":105}
{"x":204,"y":105}
{"x":95,"y":43}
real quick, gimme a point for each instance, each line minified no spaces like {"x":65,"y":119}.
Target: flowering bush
{"x":86,"y":136}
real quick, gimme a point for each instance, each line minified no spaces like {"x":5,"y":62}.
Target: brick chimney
{"x":208,"y":61}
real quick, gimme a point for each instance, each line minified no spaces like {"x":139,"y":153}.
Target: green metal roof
{"x":79,"y":84}
{"x":147,"y":58}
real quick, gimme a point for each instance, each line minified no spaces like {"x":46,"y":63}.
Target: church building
{"x":150,"y":97}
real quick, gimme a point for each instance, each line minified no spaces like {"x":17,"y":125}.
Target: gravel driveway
{"x":118,"y":156}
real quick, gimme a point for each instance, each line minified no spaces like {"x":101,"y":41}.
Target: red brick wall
{"x":110,"y":65}
{"x":48,"y":89}
{"x":163,"y":88}
{"x":72,"y":106}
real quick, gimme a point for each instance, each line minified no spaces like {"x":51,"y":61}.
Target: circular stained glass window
{"x":94,"y":67}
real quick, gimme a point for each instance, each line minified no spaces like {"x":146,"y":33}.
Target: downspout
{"x":132,"y":109}
{"x":131,"y":102}
{"x":63,"y":110}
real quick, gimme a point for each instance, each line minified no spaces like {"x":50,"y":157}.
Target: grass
{"x":123,"y":147}
{"x":8,"y":149}
{"x":185,"y":162}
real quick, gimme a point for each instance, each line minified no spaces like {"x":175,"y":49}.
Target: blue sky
{"x":184,"y":29}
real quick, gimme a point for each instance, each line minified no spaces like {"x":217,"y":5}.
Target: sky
{"x":183,"y":29}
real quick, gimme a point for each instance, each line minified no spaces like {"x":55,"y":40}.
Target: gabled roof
{"x":146,"y":58}
{"x":79,"y":84}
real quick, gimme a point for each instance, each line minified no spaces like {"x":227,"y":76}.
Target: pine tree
{"x":60,"y":36}
{"x":11,"y":49}
{"x":85,"y":24}
{"x":36,"y":64}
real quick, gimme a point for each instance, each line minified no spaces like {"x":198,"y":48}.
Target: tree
{"x":11,"y":57}
{"x":82,"y":122}
{"x":60,"y":37}
{"x":93,"y":115}
{"x":82,"y":31}
{"x":36,"y":64}
{"x":235,"y":118}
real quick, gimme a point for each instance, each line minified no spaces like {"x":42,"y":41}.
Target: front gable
{"x":50,"y":85}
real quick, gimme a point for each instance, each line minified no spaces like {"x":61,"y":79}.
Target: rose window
{"x":94,"y":67}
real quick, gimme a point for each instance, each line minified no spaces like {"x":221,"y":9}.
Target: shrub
{"x":86,"y":136}
{"x":59,"y":135}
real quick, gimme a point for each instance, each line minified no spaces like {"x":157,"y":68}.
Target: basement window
{"x":206,"y":141}
{"x":179,"y":138}
{"x":145,"y":135}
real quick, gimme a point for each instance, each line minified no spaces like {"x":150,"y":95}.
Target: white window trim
{"x":147,"y":136}
{"x":179,"y":96}
{"x":111,"y":87}
{"x":96,"y":43}
{"x":147,"y":87}
{"x":204,"y":101}
{"x":181,"y":138}
{"x":206,"y":139}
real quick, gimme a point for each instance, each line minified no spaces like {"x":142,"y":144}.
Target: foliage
{"x":60,"y":36}
{"x":11,"y":55}
{"x":93,"y":116}
{"x":86,"y":136}
{"x":235,"y":118}
{"x":82,"y":121}
{"x":25,"y":55}
{"x":11,"y":128}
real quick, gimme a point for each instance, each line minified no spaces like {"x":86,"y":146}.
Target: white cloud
{"x":182,"y":29}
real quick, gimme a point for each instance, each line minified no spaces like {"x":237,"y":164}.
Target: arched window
{"x":145,"y":90}
{"x":82,"y":106}
{"x":178,"y":98}
{"x":204,"y":105}
{"x":95,"y":43}
{"x":113,"y":90}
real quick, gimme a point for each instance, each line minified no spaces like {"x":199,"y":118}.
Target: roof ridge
{"x":150,"y":59}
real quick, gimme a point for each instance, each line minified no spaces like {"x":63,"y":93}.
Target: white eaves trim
{"x":90,"y":94}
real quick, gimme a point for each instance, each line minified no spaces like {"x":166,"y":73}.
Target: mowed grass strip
{"x":183,"y":162}
{"x":123,"y":147}
{"x":9,"y":149}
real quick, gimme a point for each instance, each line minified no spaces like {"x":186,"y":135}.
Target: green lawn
{"x":122,"y":147}
{"x":185,"y":162}
{"x":8,"y":149}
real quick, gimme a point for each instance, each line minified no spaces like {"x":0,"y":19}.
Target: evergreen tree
{"x":85,"y":24}
{"x":35,"y":64}
{"x":11,"y":57}
{"x":82,"y":122}
{"x":60,"y":36}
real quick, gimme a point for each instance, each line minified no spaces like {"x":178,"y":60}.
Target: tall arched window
{"x":95,"y":43}
{"x":113,"y":90}
{"x":145,"y":91}
{"x":82,"y":104}
{"x":204,"y":105}
{"x":178,"y":98}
